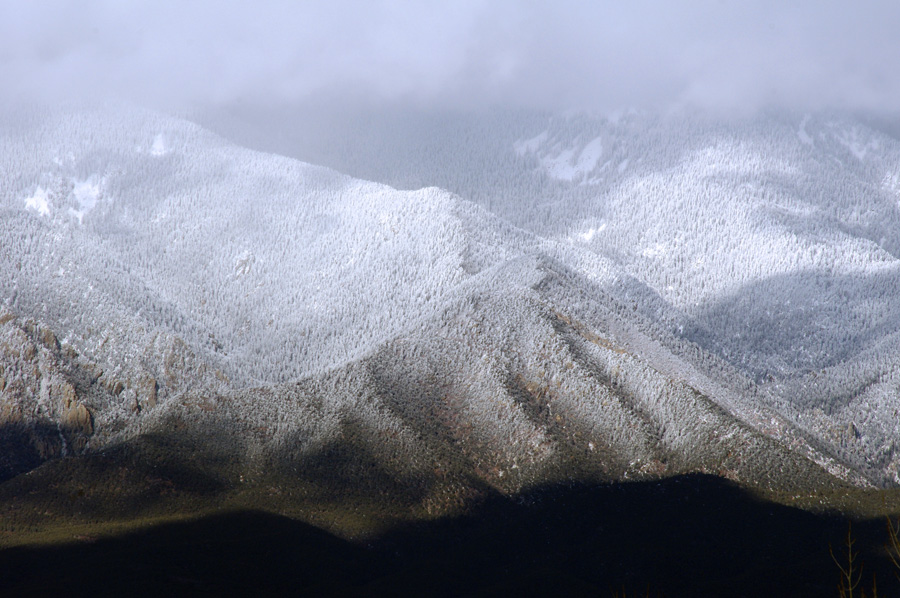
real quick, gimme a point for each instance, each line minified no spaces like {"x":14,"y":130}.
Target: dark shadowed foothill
{"x":685,"y":536}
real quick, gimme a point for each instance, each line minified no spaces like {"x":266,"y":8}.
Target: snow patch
{"x":854,"y":141}
{"x":159,"y":147}
{"x":86,"y":193}
{"x":588,"y":235}
{"x":530,"y":146}
{"x":561,"y":167}
{"x":566,"y":164}
{"x":590,"y":155}
{"x":655,"y":251}
{"x":38,"y":202}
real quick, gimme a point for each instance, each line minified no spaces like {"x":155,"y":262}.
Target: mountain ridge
{"x":304,"y":316}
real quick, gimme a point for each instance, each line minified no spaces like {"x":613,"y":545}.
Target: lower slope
{"x":685,"y":536}
{"x":502,"y":388}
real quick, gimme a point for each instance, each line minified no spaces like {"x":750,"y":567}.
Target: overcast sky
{"x":603,"y":55}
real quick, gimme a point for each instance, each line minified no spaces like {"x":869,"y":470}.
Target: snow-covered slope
{"x":268,"y":267}
{"x":519,"y":380}
{"x":288,"y":306}
{"x":771,"y":241}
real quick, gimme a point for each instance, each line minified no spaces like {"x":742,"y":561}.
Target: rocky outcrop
{"x":45,"y":392}
{"x":55,"y":401}
{"x":75,"y":416}
{"x":48,"y":339}
{"x":148,"y":391}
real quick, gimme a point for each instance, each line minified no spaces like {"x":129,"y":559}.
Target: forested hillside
{"x":617,"y":297}
{"x":769,"y":240}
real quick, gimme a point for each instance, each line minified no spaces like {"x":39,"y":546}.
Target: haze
{"x":561,"y":55}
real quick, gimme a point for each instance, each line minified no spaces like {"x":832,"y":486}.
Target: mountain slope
{"x":769,"y":240}
{"x":250,"y":313}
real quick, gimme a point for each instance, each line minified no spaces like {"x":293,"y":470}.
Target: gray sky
{"x":603,"y":55}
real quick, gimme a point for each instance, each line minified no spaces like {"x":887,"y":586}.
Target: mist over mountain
{"x":722,"y":57}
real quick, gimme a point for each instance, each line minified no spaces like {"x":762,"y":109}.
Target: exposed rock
{"x":48,"y":339}
{"x":47,"y":447}
{"x":41,"y":409}
{"x":221,"y":377}
{"x":79,"y":443}
{"x":175,"y":363}
{"x":75,"y":415}
{"x":64,"y":393}
{"x":92,"y":370}
{"x":15,"y":389}
{"x":114,"y":386}
{"x":10,"y":413}
{"x":78,"y":418}
{"x":149,"y":390}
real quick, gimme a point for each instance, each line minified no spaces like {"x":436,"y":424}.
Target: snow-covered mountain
{"x":770,"y":241}
{"x":628,"y":298}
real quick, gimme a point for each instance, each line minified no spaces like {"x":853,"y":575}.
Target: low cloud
{"x":720,"y":55}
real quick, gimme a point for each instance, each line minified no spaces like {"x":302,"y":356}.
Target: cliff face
{"x":42,"y":415}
